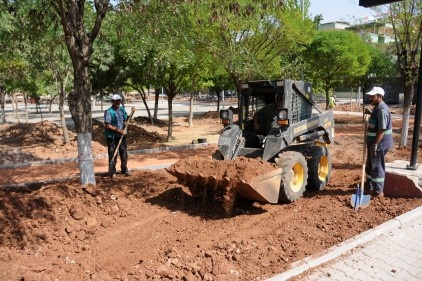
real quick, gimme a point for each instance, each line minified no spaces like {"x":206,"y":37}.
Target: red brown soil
{"x":149,"y":227}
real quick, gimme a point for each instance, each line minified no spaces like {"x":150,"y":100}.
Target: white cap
{"x":376,"y":90}
{"x":116,"y":97}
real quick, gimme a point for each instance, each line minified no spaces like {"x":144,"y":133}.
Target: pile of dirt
{"x":22,"y":143}
{"x":240,"y":169}
{"x":142,"y":120}
{"x":216,"y":183}
{"x":209,"y":114}
{"x":31,"y":142}
{"x":138,"y":137}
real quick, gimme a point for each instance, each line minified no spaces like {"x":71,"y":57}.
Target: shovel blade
{"x":360,"y":201}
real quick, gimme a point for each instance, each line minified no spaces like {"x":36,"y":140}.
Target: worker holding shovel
{"x":115,"y":121}
{"x":379,"y":140}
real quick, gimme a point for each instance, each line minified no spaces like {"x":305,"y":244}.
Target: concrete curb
{"x":334,"y":252}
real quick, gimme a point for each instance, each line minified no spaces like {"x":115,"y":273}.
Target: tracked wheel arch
{"x":294,"y":175}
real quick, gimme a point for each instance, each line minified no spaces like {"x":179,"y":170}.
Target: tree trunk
{"x":218,"y":100}
{"x":15,"y":107}
{"x":144,"y":101}
{"x":170,"y":124}
{"x":2,"y":104}
{"x":79,"y":45}
{"x":407,"y":103}
{"x":327,"y":98}
{"x":50,"y":105}
{"x":25,"y":100}
{"x":61,"y":113}
{"x":157,"y":97}
{"x":190,"y":120}
{"x":80,"y":109}
{"x":404,"y":127}
{"x":85,"y":159}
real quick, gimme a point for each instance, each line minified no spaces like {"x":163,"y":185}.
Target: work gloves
{"x":373,"y":150}
{"x":367,"y":111}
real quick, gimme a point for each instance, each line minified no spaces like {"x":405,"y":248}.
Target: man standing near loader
{"x":115,"y":119}
{"x":379,"y":140}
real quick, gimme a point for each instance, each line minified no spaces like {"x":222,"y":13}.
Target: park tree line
{"x":75,"y":49}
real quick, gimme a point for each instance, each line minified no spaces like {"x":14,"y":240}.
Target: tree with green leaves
{"x":406,"y":18}
{"x":12,"y":61}
{"x":81,"y":27}
{"x":249,"y":38}
{"x":381,"y":68}
{"x":160,"y":51}
{"x":335,"y":57}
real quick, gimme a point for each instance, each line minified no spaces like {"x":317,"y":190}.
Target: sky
{"x":339,"y":10}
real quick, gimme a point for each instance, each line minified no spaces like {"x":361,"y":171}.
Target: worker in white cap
{"x":114,"y":121}
{"x":379,"y":140}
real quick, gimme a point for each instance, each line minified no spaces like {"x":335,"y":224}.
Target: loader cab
{"x":256,"y":94}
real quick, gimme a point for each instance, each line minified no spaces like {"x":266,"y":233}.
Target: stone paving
{"x":391,"y":251}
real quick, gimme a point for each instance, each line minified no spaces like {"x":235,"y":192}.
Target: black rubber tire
{"x":319,"y":167}
{"x":294,"y":175}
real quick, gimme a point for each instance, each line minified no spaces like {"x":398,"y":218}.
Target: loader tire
{"x":294,"y":175}
{"x":319,"y":167}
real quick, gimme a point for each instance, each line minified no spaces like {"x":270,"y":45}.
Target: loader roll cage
{"x":297,"y":97}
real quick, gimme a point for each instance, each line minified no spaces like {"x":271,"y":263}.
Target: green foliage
{"x":335,"y":58}
{"x":406,"y":18}
{"x":248,"y":38}
{"x":380,"y":69}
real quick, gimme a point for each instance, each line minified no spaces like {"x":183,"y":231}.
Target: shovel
{"x":113,"y":159}
{"x":359,"y":199}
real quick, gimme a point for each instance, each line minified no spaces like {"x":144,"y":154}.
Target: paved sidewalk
{"x":391,"y":251}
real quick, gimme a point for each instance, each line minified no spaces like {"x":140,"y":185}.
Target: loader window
{"x":255,"y":103}
{"x":260,"y":102}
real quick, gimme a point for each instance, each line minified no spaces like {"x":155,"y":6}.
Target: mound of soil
{"x":216,"y":182}
{"x":138,"y":137}
{"x":22,"y":143}
{"x":142,"y":120}
{"x":209,"y":114}
{"x":240,"y":169}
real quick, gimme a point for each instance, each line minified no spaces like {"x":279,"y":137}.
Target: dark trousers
{"x":375,"y":170}
{"x":111,"y":145}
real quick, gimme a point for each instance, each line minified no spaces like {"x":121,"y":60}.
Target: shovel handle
{"x":364,"y":152}
{"x":124,"y":129}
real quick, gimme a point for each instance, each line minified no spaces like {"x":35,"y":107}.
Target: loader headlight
{"x":283,"y":117}
{"x":226,"y":117}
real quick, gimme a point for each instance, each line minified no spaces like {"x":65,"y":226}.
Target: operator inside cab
{"x":265,"y":119}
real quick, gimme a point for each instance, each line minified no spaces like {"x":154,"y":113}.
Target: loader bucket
{"x":263,"y":188}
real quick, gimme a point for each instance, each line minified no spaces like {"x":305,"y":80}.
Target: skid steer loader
{"x":297,"y":142}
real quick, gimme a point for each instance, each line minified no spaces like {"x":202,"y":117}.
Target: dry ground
{"x":149,"y":227}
